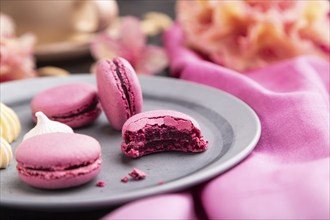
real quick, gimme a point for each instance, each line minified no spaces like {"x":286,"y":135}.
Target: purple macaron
{"x":58,"y":160}
{"x":74,"y":104}
{"x":119,"y":90}
{"x":161,"y":130}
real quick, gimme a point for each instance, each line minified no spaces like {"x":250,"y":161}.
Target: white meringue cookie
{"x":45,"y":125}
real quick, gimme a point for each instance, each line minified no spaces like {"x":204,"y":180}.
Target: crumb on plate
{"x":137,"y":174}
{"x":124,"y":179}
{"x":100,"y":184}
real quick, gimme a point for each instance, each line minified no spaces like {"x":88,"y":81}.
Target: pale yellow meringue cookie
{"x":6,"y":154}
{"x":10,"y":126}
{"x":45,"y":125}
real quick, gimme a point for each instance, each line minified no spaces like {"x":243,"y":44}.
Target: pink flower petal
{"x":129,"y":42}
{"x":16,"y":58}
{"x":27,"y":42}
{"x":132,"y":38}
{"x":7,"y":26}
{"x":245,"y":35}
{"x":104,"y":46}
{"x":152,"y":60}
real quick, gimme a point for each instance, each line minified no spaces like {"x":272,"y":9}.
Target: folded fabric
{"x":178,"y":206}
{"x":287,"y":176}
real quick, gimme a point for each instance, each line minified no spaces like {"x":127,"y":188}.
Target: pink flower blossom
{"x":127,"y":40}
{"x":249,"y":34}
{"x":7,"y":26}
{"x":16,"y":53}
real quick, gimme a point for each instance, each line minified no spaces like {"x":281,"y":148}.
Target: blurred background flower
{"x":126,"y":38}
{"x":250,"y":34}
{"x":16,"y":53}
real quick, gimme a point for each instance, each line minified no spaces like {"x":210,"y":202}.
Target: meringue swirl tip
{"x":45,"y":125}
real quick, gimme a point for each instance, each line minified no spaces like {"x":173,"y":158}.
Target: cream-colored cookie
{"x":10,"y":126}
{"x":6,"y":154}
{"x":154,"y":23}
{"x":52,"y":71}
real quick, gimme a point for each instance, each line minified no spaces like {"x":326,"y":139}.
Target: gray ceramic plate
{"x":231,"y":127}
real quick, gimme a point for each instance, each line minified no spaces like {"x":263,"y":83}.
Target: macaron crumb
{"x":124,"y":179}
{"x":137,"y":174}
{"x":100,"y":184}
{"x":161,"y":182}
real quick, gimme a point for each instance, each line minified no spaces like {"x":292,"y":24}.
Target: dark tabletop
{"x":82,"y":65}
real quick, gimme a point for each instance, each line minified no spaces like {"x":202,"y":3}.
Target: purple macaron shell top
{"x":74,"y":104}
{"x":171,"y":118}
{"x":58,"y":160}
{"x":119,"y":90}
{"x":58,"y":150}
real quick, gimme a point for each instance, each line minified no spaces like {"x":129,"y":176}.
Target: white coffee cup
{"x":53,"y":21}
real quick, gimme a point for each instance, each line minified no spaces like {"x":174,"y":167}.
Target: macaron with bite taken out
{"x":161,"y":130}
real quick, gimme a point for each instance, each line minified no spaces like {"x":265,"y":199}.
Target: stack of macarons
{"x":10,"y":128}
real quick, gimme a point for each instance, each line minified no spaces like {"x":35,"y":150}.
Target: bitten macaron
{"x":119,"y":90}
{"x":58,"y":160}
{"x":74,"y":104}
{"x":161,"y":130}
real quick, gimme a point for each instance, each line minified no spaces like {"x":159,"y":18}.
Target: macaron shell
{"x":112,"y":99}
{"x":159,"y":117}
{"x":112,"y":96}
{"x":60,"y":180}
{"x":135,"y":87}
{"x":58,"y":150}
{"x":65,"y":103}
{"x":81,"y":120}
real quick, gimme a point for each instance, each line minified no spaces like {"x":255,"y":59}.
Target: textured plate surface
{"x":231,"y":127}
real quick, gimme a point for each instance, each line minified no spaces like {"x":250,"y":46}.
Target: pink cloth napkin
{"x":287,"y":175}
